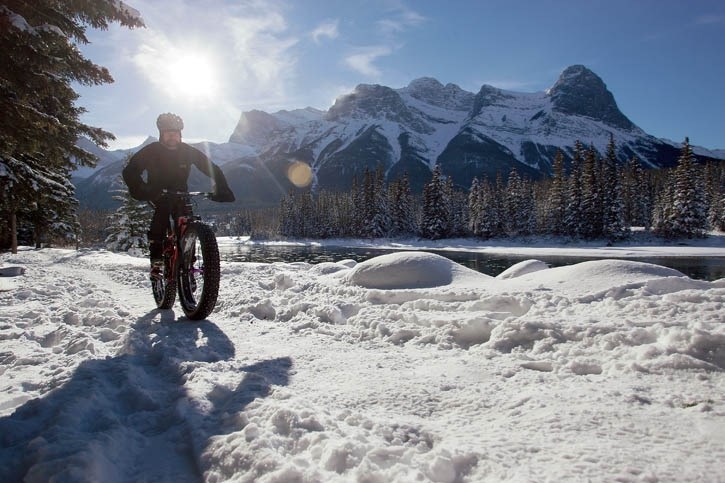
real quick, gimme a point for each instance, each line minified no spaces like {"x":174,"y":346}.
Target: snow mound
{"x":596,"y":278}
{"x":522,"y":268}
{"x":408,"y":270}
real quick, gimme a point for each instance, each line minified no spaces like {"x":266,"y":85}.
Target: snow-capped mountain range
{"x":411,"y":129}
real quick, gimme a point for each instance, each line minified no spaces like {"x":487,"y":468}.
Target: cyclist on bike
{"x":167,"y":164}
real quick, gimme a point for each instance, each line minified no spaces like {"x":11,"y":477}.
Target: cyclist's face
{"x":171,"y":139}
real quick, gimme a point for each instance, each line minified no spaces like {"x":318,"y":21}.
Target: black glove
{"x":222,"y":195}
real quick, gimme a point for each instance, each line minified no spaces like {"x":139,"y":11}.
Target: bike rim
{"x":193,"y":270}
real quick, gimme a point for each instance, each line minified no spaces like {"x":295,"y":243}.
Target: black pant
{"x":164,"y":210}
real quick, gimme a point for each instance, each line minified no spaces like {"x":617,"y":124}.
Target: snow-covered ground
{"x":406,"y":367}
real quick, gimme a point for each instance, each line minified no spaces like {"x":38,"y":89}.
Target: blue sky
{"x":209,"y":60}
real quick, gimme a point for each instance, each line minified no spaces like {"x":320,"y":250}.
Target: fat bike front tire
{"x":164,"y":288}
{"x":199,"y":271}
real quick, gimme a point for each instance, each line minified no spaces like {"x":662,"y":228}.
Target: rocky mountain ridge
{"x":407,"y":131}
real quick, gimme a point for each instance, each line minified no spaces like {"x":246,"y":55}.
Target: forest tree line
{"x":592,"y":197}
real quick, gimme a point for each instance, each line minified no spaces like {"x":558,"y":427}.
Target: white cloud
{"x":363,"y":59}
{"x":260,"y":51}
{"x":399,"y":19}
{"x":150,"y":55}
{"x":402,"y":18}
{"x":327,"y":29}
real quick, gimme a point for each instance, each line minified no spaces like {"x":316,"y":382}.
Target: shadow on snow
{"x":129,"y":416}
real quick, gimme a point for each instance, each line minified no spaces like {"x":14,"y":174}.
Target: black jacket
{"x":169,"y":169}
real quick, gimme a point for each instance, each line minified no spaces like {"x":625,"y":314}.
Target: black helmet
{"x":169,"y":122}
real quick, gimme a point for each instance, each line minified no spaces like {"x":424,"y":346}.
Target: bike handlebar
{"x":187,"y":193}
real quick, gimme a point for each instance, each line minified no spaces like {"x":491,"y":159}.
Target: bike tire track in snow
{"x":120,"y":399}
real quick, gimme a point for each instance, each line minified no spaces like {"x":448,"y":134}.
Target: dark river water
{"x":702,"y":268}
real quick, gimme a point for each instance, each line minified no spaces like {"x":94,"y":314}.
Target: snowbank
{"x":407,"y":270}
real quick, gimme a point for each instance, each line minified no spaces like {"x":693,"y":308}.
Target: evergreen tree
{"x":636,"y":195}
{"x":715,"y":191}
{"x":129,"y":224}
{"x":457,"y":210}
{"x":557,"y":200}
{"x":286,"y":216}
{"x":716,"y":216}
{"x":55,"y":211}
{"x":611,"y":196}
{"x":306,"y":219}
{"x":376,"y":198}
{"x":590,"y":223}
{"x":38,"y":196}
{"x":345,"y":217}
{"x":323,"y":225}
{"x":360,"y":207}
{"x":573,"y":216}
{"x":475,"y":208}
{"x":400,"y":202}
{"x":680,"y":210}
{"x":40,"y":122}
{"x":297,"y":215}
{"x":663,"y":206}
{"x":491,"y":216}
{"x":689,"y":212}
{"x":434,"y":223}
{"x":520,"y":212}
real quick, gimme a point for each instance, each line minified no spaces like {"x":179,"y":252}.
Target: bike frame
{"x":177,"y":228}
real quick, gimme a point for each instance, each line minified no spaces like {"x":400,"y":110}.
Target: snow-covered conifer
{"x":613,"y":226}
{"x":520,"y":213}
{"x":557,"y":200}
{"x":590,"y":223}
{"x":129,"y":224}
{"x":689,"y":212}
{"x":400,"y":202}
{"x":434,"y":222}
{"x":573,"y":216}
{"x":40,"y":122}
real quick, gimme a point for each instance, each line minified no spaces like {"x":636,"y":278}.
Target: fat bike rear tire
{"x":199,"y":271}
{"x":164,"y":288}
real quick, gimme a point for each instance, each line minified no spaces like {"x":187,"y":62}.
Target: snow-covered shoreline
{"x":407,"y":367}
{"x":641,"y":245}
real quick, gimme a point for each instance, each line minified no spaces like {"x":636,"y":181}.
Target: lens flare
{"x":300,"y":174}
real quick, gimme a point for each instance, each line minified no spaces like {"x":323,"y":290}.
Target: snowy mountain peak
{"x":298,"y":116}
{"x":368,"y":100}
{"x":579,"y":91}
{"x":431,"y":91}
{"x":254,"y":128}
{"x":425,"y":83}
{"x":488,"y":96}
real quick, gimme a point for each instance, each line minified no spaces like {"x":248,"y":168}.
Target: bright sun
{"x":192,"y":76}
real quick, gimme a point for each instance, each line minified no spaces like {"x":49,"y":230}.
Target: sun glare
{"x":192,"y":76}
